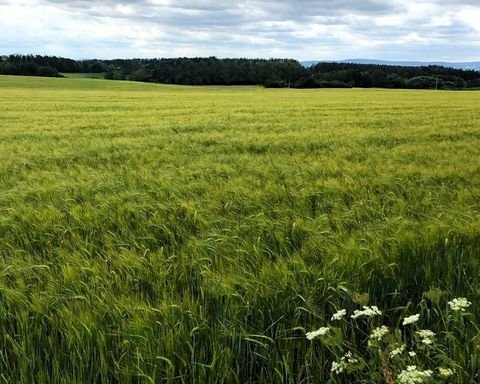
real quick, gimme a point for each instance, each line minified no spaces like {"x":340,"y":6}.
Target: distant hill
{"x":309,"y":63}
{"x":475,"y":65}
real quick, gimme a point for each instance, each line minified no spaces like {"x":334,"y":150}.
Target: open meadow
{"x":167,"y":234}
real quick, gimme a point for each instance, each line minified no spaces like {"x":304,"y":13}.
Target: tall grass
{"x":192,"y":235}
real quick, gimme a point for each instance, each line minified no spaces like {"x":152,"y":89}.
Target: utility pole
{"x":436,"y":85}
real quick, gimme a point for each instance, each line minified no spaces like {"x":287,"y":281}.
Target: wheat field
{"x":167,"y":234}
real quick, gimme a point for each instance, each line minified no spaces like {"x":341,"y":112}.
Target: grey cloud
{"x":474,"y":3}
{"x":273,"y":9}
{"x":246,"y":16}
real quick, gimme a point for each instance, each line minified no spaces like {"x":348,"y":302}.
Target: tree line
{"x":273,"y":73}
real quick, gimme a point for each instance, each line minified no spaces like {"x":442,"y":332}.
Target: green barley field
{"x":167,"y":234}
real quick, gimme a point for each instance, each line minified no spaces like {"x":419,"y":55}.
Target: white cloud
{"x":303,"y":29}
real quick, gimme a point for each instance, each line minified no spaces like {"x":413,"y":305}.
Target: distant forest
{"x":274,"y":73}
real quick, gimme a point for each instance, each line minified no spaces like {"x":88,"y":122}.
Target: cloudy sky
{"x":302,"y":29}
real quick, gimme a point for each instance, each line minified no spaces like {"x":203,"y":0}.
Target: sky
{"x":422,"y":30}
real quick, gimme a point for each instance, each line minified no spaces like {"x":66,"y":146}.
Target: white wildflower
{"x":379,"y":333}
{"x":459,"y":304}
{"x":445,"y":372}
{"x":319,"y":332}
{"x":397,"y":351}
{"x":426,"y":335}
{"x":349,"y":357}
{"x":340,"y":366}
{"x":367,"y":311}
{"x":339,"y":315}
{"x":412,"y":354}
{"x":411,"y":319}
{"x":413,"y":376}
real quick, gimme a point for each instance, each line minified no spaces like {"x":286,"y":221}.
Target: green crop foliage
{"x":165,"y":234}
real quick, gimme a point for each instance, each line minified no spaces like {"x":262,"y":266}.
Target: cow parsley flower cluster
{"x":459,"y":305}
{"x":379,"y":333}
{"x":319,"y":332}
{"x":426,"y":335}
{"x":367,"y":311}
{"x":339,"y":315}
{"x":413,"y":376}
{"x":392,"y":348}
{"x":445,"y":372}
{"x":342,"y":365}
{"x":338,"y":368}
{"x":411,"y":319}
{"x":397,"y":351}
